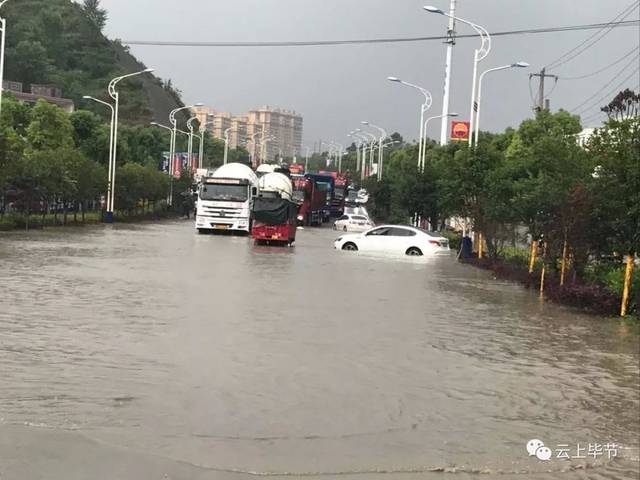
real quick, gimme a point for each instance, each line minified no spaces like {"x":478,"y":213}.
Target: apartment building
{"x":282,"y":128}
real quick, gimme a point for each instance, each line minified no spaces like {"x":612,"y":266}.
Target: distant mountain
{"x":60,"y":42}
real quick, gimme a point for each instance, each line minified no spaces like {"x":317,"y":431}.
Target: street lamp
{"x":3,"y":33}
{"x":115,"y":95}
{"x":479,"y":55}
{"x":226,"y":144}
{"x":263,"y":147}
{"x":306,"y":158}
{"x":424,"y":148}
{"x":381,"y":141}
{"x":113,"y":111}
{"x":428,"y":101}
{"x":190,"y":148}
{"x":371,"y":139}
{"x":358,"y":143}
{"x":172,"y":148}
{"x":156,"y":124}
{"x":504,"y":67}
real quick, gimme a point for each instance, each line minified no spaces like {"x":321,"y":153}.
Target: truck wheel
{"x":350,"y":246}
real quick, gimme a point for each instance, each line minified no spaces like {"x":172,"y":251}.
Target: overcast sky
{"x":337,"y":87}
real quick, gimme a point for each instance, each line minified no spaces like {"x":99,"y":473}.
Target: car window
{"x":402,"y":232}
{"x":344,"y":217}
{"x":379,"y":232}
{"x":360,"y":218}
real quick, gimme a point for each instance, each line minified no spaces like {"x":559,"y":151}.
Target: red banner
{"x":177,"y":166}
{"x":460,"y":131}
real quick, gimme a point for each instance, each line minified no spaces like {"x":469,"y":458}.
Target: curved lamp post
{"x":480,"y":54}
{"x":172,"y":149}
{"x":113,"y":111}
{"x":383,"y":136}
{"x":115,"y":95}
{"x":504,"y":67}
{"x":428,"y":101}
{"x":424,"y":147}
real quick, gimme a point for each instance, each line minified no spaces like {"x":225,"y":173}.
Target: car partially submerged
{"x":353,"y":223}
{"x":395,"y":239}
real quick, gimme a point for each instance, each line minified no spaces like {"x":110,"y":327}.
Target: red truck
{"x":311,"y":197}
{"x":274,"y":213}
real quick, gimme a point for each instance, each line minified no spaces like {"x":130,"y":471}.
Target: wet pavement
{"x":147,"y":351}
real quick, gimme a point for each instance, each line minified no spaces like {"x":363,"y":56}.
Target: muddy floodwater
{"x":149,"y":352}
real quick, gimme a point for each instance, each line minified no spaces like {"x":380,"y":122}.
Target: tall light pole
{"x":254,"y":161}
{"x":115,"y":95}
{"x":263,"y":147}
{"x":383,"y":136}
{"x":226,"y":145}
{"x":504,"y":67}
{"x":190,"y":148}
{"x":306,"y":159}
{"x":357,"y":141}
{"x":424,"y":148}
{"x":3,"y":33}
{"x":372,"y":140}
{"x":479,"y":55}
{"x":428,"y":101}
{"x":172,"y":149}
{"x":113,"y":111}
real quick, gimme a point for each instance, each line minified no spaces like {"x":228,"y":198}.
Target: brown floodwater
{"x":147,"y":351}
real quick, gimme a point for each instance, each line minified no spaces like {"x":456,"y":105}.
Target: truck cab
{"x":225,"y":199}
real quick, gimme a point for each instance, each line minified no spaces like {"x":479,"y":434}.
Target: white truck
{"x":225,"y":199}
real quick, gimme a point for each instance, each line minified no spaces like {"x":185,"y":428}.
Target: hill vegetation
{"x":60,"y":42}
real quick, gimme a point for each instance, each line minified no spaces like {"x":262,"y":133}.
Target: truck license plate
{"x":221,"y":227}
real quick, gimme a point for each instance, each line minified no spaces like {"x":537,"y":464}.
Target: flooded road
{"x":148,"y":352}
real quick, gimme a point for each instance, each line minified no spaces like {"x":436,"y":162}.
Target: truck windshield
{"x":224,"y":193}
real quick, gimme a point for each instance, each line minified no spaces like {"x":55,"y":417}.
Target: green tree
{"x":615,"y":150}
{"x":50,"y":128}
{"x":96,"y":14}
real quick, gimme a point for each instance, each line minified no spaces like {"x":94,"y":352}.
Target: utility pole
{"x":543,"y":74}
{"x":451,"y":41}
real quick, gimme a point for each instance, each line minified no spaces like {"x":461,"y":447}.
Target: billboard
{"x":180,"y":162}
{"x":460,"y":131}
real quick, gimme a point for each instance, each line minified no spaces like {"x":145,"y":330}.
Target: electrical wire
{"x":581,"y":77}
{"x":571,"y":28}
{"x":584,"y":46}
{"x":616,"y":76}
{"x":608,"y":95}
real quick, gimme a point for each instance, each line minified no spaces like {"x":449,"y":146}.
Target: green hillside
{"x":61,"y":42}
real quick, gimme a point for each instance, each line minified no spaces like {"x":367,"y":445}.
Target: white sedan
{"x":352,"y":223}
{"x":398,"y":239}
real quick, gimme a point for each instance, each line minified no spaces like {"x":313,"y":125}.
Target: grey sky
{"x":336,"y":87}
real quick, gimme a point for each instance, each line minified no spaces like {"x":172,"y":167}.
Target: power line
{"x":583,"y":46}
{"x":581,"y":77}
{"x":321,"y":43}
{"x":616,"y":76}
{"x":607,"y":95}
